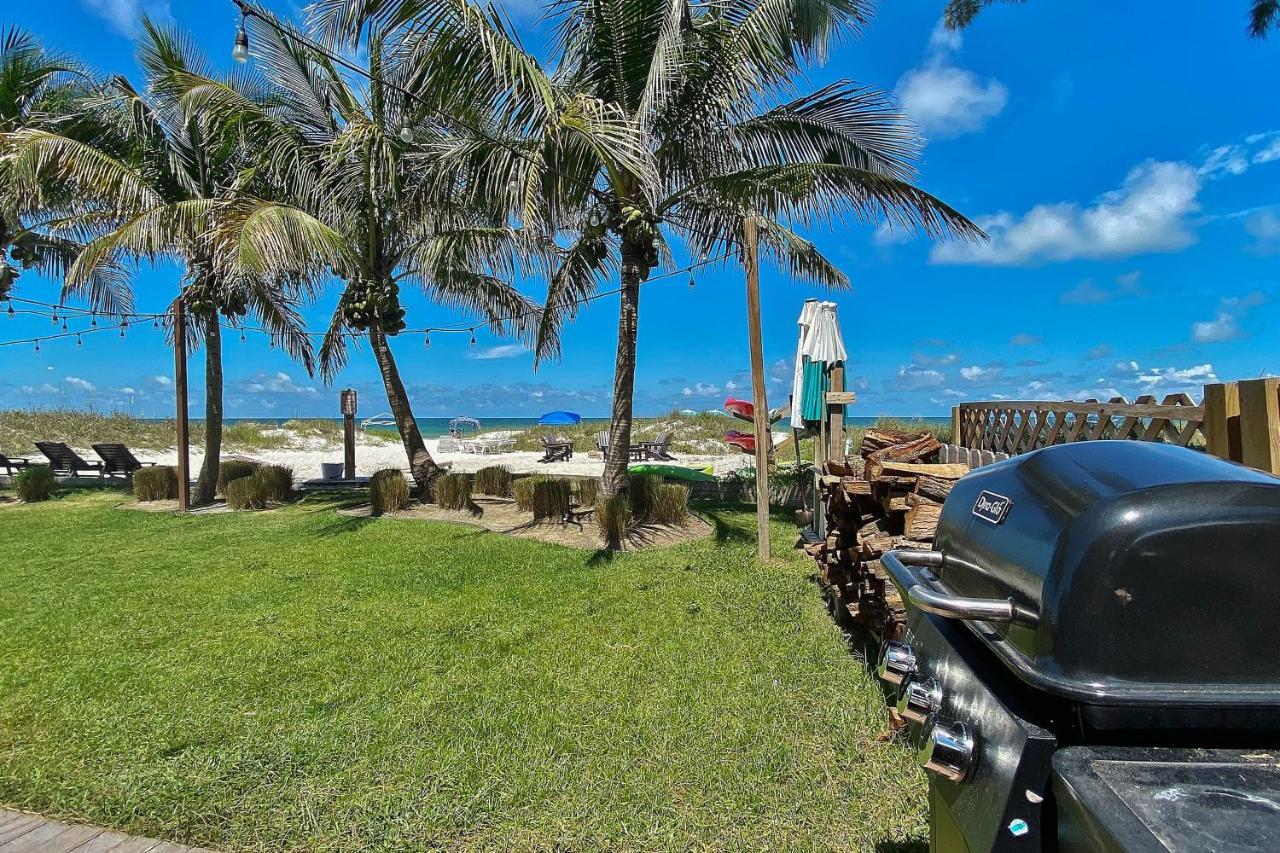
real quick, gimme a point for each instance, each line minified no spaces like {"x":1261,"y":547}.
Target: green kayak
{"x":673,"y":472}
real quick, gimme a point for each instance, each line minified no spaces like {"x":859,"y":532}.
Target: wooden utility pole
{"x":180,"y":412}
{"x":759,"y":398}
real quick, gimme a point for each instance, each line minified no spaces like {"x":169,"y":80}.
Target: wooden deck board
{"x":23,"y":832}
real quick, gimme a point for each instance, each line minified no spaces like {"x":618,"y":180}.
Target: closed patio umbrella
{"x":807,"y":316}
{"x":823,"y":346}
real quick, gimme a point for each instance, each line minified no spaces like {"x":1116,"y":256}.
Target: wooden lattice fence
{"x":1019,"y":427}
{"x":1238,"y":421}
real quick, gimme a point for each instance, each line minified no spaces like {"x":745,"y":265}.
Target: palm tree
{"x":157,"y":174}
{"x":357,"y":197}
{"x":697,"y":126}
{"x":958,"y":14}
{"x":44,"y":90}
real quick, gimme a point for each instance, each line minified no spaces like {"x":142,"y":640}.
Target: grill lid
{"x":1138,"y":573}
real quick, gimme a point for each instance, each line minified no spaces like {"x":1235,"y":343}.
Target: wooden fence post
{"x":1222,"y":420}
{"x":1260,"y":424}
{"x":955,"y":427}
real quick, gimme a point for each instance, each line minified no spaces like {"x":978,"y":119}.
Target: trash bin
{"x":331,"y":470}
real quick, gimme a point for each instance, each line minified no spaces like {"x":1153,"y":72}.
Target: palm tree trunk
{"x":421,"y":465}
{"x":207,"y":483}
{"x":616,"y":481}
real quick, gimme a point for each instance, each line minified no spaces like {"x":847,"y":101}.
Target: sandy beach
{"x":374,"y":454}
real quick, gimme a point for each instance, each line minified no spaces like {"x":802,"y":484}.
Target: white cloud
{"x":1264,"y":227}
{"x":502,"y":351}
{"x":1236,"y":158}
{"x":1086,"y":292}
{"x":1095,"y":353}
{"x":979,"y":374}
{"x":1225,"y":160}
{"x":81,"y":384}
{"x":887,"y":235}
{"x":1148,"y":213}
{"x":1197,"y":375}
{"x":1221,"y":328}
{"x":945,"y":100}
{"x":913,"y":377}
{"x":128,"y":391}
{"x":702,"y":389}
{"x":1024,"y":339}
{"x":1126,"y":367}
{"x":278,"y":383}
{"x":1225,"y":325}
{"x":730,"y":385}
{"x":124,"y":15}
{"x":162,"y":381}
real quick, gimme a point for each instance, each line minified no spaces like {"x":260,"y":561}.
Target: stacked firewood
{"x":890,"y":497}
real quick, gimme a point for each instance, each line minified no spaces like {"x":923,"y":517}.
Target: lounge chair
{"x":13,"y":463}
{"x":118,"y":459}
{"x":64,"y":460}
{"x":659,"y":448}
{"x":556,"y":449}
{"x":635,"y":453}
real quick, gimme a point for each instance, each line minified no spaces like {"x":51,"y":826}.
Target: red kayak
{"x":744,"y":441}
{"x":740,"y":408}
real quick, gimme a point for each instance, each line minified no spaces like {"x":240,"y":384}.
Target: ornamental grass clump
{"x":277,"y":482}
{"x":158,"y":483}
{"x":551,"y":498}
{"x":493,"y":480}
{"x":644,"y":490}
{"x":234,"y":469}
{"x":388,"y":492}
{"x":247,"y":493}
{"x":453,"y":491}
{"x":668,"y":504}
{"x":588,"y":491}
{"x":613,"y":517}
{"x":35,"y":484}
{"x":522,"y":491}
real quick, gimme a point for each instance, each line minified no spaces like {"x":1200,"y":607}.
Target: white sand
{"x":373,"y":454}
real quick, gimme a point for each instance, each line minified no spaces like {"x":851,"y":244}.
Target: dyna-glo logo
{"x":992,"y":507}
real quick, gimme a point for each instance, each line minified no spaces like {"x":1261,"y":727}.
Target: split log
{"x":934,"y":487}
{"x":878,"y":468}
{"x":922,"y":522}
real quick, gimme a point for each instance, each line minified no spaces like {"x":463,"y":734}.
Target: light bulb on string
{"x":55,"y":317}
{"x":240,"y":53}
{"x":12,"y":313}
{"x":594,"y":218}
{"x":513,"y":186}
{"x":64,"y":324}
{"x":37,"y":345}
{"x":406,"y":134}
{"x":473,"y":338}
{"x":691,"y":282}
{"x":155,"y":322}
{"x":123,"y":326}
{"x":242,"y":340}
{"x":79,"y":342}
{"x":93,"y":319}
{"x":426,"y":340}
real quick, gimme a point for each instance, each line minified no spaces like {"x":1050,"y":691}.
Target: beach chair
{"x":556,"y":449}
{"x":447,"y":444}
{"x":602,"y":442}
{"x":64,"y":460}
{"x":635,"y":453}
{"x":118,"y":459}
{"x":13,"y":463}
{"x":660,"y":447}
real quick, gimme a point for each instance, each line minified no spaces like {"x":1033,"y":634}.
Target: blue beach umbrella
{"x":560,"y":419}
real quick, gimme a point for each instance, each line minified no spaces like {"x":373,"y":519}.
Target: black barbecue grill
{"x":1091,"y":659}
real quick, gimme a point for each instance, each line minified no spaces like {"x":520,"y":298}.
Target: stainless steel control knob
{"x":946,"y":749}
{"x":897,"y":661}
{"x":919,"y":699}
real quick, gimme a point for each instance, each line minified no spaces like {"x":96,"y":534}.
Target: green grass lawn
{"x":300,"y":680}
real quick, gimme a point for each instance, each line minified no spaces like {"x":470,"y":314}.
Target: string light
{"x":37,"y":345}
{"x":406,"y":134}
{"x":79,"y":342}
{"x":456,"y":329}
{"x":54,"y":321}
{"x":240,"y":52}
{"x":64,"y":325}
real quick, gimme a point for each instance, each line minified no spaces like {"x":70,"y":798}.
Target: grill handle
{"x":909,"y":571}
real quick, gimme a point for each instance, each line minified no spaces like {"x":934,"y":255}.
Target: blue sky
{"x":1126,"y":164}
